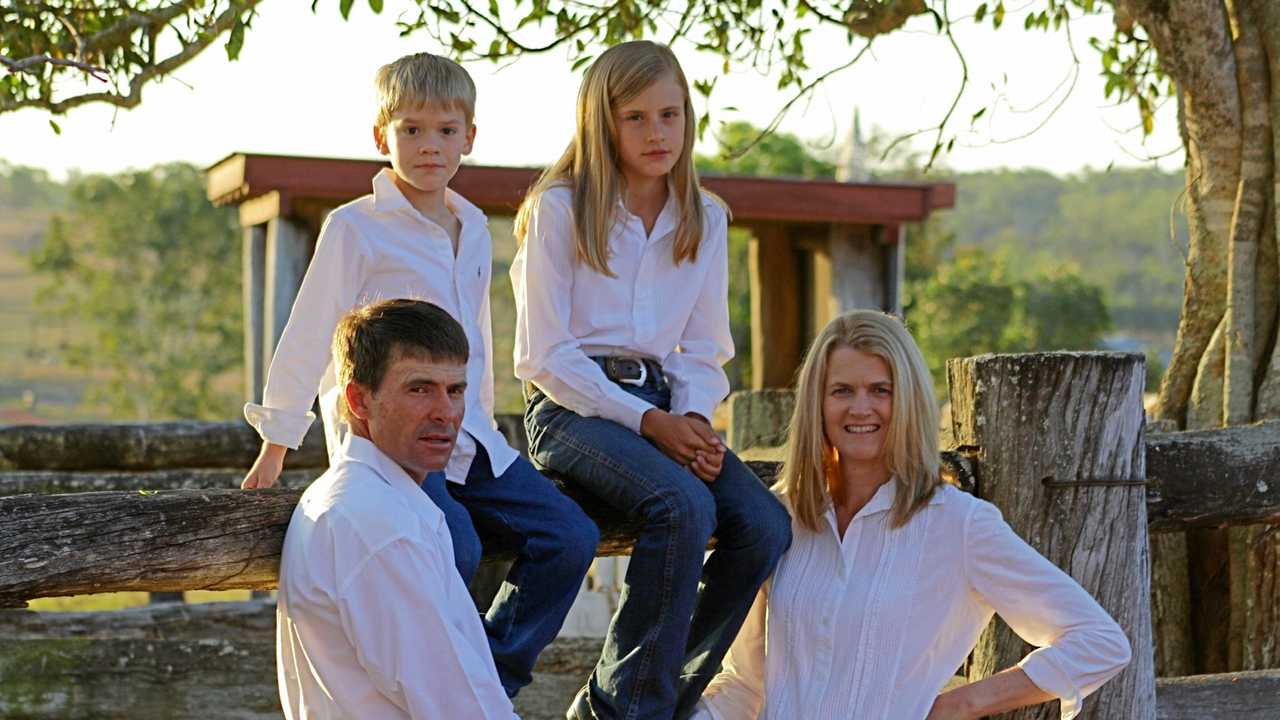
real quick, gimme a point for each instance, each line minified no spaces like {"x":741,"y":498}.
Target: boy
{"x":415,"y":237}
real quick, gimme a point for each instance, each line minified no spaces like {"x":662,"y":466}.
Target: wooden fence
{"x":1055,"y":440}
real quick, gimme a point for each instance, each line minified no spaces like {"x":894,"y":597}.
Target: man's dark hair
{"x":368,"y":339}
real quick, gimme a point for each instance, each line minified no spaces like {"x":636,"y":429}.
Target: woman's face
{"x":857,"y":404}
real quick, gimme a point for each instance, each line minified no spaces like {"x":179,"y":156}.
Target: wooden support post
{"x":253,"y":261}
{"x":858,"y":269}
{"x":893,"y":238}
{"x":776,"y":333}
{"x":288,"y":250}
{"x":1059,"y":443}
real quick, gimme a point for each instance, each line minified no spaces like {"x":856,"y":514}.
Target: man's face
{"x":414,"y":415}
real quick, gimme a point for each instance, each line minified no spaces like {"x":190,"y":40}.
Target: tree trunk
{"x":1224,"y":59}
{"x":1040,"y":424}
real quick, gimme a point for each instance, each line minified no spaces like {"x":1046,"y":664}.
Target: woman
{"x":892,"y":574}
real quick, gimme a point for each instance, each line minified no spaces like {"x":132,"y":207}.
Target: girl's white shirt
{"x":380,"y":247}
{"x":675,"y":314}
{"x":874,"y":625}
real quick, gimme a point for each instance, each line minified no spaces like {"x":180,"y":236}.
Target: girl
{"x":893,"y":574}
{"x":623,"y":326}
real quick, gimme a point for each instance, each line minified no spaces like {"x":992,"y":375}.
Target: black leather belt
{"x":630,"y":370}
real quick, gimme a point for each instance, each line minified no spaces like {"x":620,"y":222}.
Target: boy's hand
{"x":266,"y":469}
{"x":682,"y":439}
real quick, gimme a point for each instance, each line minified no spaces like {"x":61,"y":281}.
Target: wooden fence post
{"x":1059,"y":449}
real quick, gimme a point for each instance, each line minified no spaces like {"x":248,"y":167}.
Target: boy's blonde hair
{"x":911,"y":443}
{"x":590,"y":165}
{"x":423,"y":79}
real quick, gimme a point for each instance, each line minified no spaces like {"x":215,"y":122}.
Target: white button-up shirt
{"x":874,"y":625}
{"x":379,"y":247}
{"x":675,"y":314}
{"x":372,"y":620}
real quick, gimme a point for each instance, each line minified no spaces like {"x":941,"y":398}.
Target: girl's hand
{"x":266,"y":469}
{"x":707,"y":467}
{"x":680,"y":438}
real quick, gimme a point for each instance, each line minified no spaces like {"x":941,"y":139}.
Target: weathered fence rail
{"x":136,"y":533}
{"x":173,"y":660}
{"x":188,"y":661}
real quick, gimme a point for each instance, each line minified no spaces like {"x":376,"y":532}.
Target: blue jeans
{"x":554,"y":542}
{"x":676,"y":615}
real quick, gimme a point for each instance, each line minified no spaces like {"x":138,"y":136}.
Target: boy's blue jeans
{"x":676,"y":615}
{"x":554,"y":542}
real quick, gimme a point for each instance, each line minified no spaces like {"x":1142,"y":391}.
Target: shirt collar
{"x":881,"y":502}
{"x":363,"y":451}
{"x":387,"y":198}
{"x":668,"y":217}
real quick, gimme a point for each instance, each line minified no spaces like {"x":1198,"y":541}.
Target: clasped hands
{"x":688,"y":439}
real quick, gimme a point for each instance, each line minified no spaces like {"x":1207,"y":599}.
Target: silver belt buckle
{"x":644,"y":375}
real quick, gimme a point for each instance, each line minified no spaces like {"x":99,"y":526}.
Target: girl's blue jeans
{"x":676,"y":614}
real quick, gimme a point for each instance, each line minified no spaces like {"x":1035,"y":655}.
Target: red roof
{"x":499,"y":190}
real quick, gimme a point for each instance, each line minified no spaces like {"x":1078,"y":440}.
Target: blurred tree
{"x":151,"y":269}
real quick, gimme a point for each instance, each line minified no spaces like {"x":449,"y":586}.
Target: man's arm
{"x":416,"y":632}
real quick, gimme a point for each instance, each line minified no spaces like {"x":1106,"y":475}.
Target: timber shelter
{"x":817,"y":248}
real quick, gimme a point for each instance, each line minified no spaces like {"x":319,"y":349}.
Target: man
{"x":372,"y":619}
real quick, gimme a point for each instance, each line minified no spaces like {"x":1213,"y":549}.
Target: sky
{"x":303,"y":86}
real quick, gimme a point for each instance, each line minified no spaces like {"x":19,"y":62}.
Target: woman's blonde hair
{"x":590,"y":166}
{"x":911,"y":443}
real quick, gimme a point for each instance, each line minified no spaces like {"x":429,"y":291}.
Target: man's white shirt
{"x":379,"y":247}
{"x":373,"y":620}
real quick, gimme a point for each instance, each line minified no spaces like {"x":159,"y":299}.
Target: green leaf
{"x":1148,"y":122}
{"x":57,"y":129}
{"x":344,"y":7}
{"x":980,"y":13}
{"x":702,"y":124}
{"x":580,"y":62}
{"x":148,"y":493}
{"x":980,"y":113}
{"x":997,"y":18}
{"x":236,"y":41}
{"x":375,"y":6}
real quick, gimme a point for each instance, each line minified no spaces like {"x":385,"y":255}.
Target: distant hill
{"x":1124,"y":230}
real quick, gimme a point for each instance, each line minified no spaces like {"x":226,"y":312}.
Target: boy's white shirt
{"x":372,"y":618}
{"x":379,"y":247}
{"x":675,"y":314}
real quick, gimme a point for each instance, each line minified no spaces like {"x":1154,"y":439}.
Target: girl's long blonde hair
{"x":591,"y":169}
{"x":911,"y":443}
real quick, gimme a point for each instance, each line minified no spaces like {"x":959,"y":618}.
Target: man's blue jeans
{"x":554,"y":542}
{"x":676,"y":615}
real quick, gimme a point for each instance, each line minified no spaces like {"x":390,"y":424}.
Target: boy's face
{"x":425,"y":143}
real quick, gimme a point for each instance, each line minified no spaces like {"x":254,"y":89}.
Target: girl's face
{"x":651,"y":130}
{"x":857,"y":404}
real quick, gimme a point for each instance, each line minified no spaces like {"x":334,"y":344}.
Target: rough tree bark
{"x":1059,"y":442}
{"x":1214,"y":590}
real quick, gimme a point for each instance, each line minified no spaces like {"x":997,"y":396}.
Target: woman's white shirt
{"x":675,"y":314}
{"x":874,"y":625}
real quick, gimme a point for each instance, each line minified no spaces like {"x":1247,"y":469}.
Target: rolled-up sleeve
{"x":695,"y":370}
{"x":1080,"y":645}
{"x":416,"y":634}
{"x":329,"y":289}
{"x":737,"y":691}
{"x":546,"y":352}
